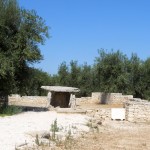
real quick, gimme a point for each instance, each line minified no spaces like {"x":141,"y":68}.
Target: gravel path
{"x":14,"y":129}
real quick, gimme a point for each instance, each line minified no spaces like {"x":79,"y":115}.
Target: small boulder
{"x":99,"y":123}
{"x":45,"y":135}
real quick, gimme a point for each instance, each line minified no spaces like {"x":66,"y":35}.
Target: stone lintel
{"x":60,"y":89}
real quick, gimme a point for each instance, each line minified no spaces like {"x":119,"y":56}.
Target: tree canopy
{"x":21,"y":32}
{"x":112,"y":72}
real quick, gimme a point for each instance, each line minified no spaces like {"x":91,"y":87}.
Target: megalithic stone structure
{"x":61,"y":96}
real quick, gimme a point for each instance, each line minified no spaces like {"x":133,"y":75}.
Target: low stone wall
{"x":96,"y":96}
{"x":137,"y":110}
{"x":119,"y":99}
{"x":84,"y":100}
{"x":100,"y":114}
{"x":105,"y":98}
{"x":110,"y":98}
{"x":31,"y":101}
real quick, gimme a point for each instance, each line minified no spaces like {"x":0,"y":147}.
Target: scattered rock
{"x":45,"y":135}
{"x":94,"y":125}
{"x":21,"y":146}
{"x":99,"y":123}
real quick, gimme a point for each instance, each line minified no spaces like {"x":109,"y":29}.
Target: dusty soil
{"x":97,"y":105}
{"x":21,"y":129}
{"x":111,"y":135}
{"x":114,"y":135}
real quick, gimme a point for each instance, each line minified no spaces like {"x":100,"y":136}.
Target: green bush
{"x":54,"y":129}
{"x":10,"y":110}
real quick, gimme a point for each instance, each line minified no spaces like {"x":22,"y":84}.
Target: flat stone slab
{"x":70,"y":110}
{"x":118,"y":113}
{"x":60,"y":89}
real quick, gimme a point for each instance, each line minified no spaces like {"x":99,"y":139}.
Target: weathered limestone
{"x":49,"y":97}
{"x":118,"y":113}
{"x":60,"y":89}
{"x":59,"y":96}
{"x":84,"y":100}
{"x":29,"y":101}
{"x":100,"y":114}
{"x":137,"y":110}
{"x":110,"y":98}
{"x":106,"y":98}
{"x":72,"y":102}
{"x":70,"y":110}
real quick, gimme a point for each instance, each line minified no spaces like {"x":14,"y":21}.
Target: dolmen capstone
{"x":60,"y":96}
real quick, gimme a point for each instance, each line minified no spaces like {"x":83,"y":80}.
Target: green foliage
{"x":146,"y":79}
{"x":10,"y":110}
{"x":74,"y":73}
{"x":37,"y":141}
{"x":21,"y":32}
{"x":54,"y":129}
{"x":69,"y":141}
{"x":136,"y":75}
{"x":34,"y":79}
{"x":112,"y":72}
{"x":54,"y":126}
{"x":85,"y":80}
{"x":63,"y":74}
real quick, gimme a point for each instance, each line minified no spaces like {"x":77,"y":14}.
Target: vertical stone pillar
{"x":72,"y":102}
{"x":49,"y":97}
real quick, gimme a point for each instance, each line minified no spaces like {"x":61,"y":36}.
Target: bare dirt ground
{"x":115,"y":135}
{"x":97,"y":105}
{"x":111,"y":135}
{"x":21,"y":129}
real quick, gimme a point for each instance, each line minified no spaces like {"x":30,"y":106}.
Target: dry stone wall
{"x":119,"y":99}
{"x":113,"y":98}
{"x":33,"y":101}
{"x":84,"y":100}
{"x":106,"y":98}
{"x":137,"y":110}
{"x":100,"y":113}
{"x":110,"y":98}
{"x":96,"y":96}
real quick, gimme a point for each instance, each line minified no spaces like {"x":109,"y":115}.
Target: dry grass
{"x":116,"y":137}
{"x":97,"y":105}
{"x":113,"y":141}
{"x":111,"y":136}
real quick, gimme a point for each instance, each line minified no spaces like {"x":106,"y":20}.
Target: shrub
{"x":10,"y":110}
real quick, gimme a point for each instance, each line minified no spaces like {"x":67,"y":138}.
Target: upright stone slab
{"x":110,"y":98}
{"x":118,"y":113}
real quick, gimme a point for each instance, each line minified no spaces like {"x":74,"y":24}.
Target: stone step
{"x":71,"y":110}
